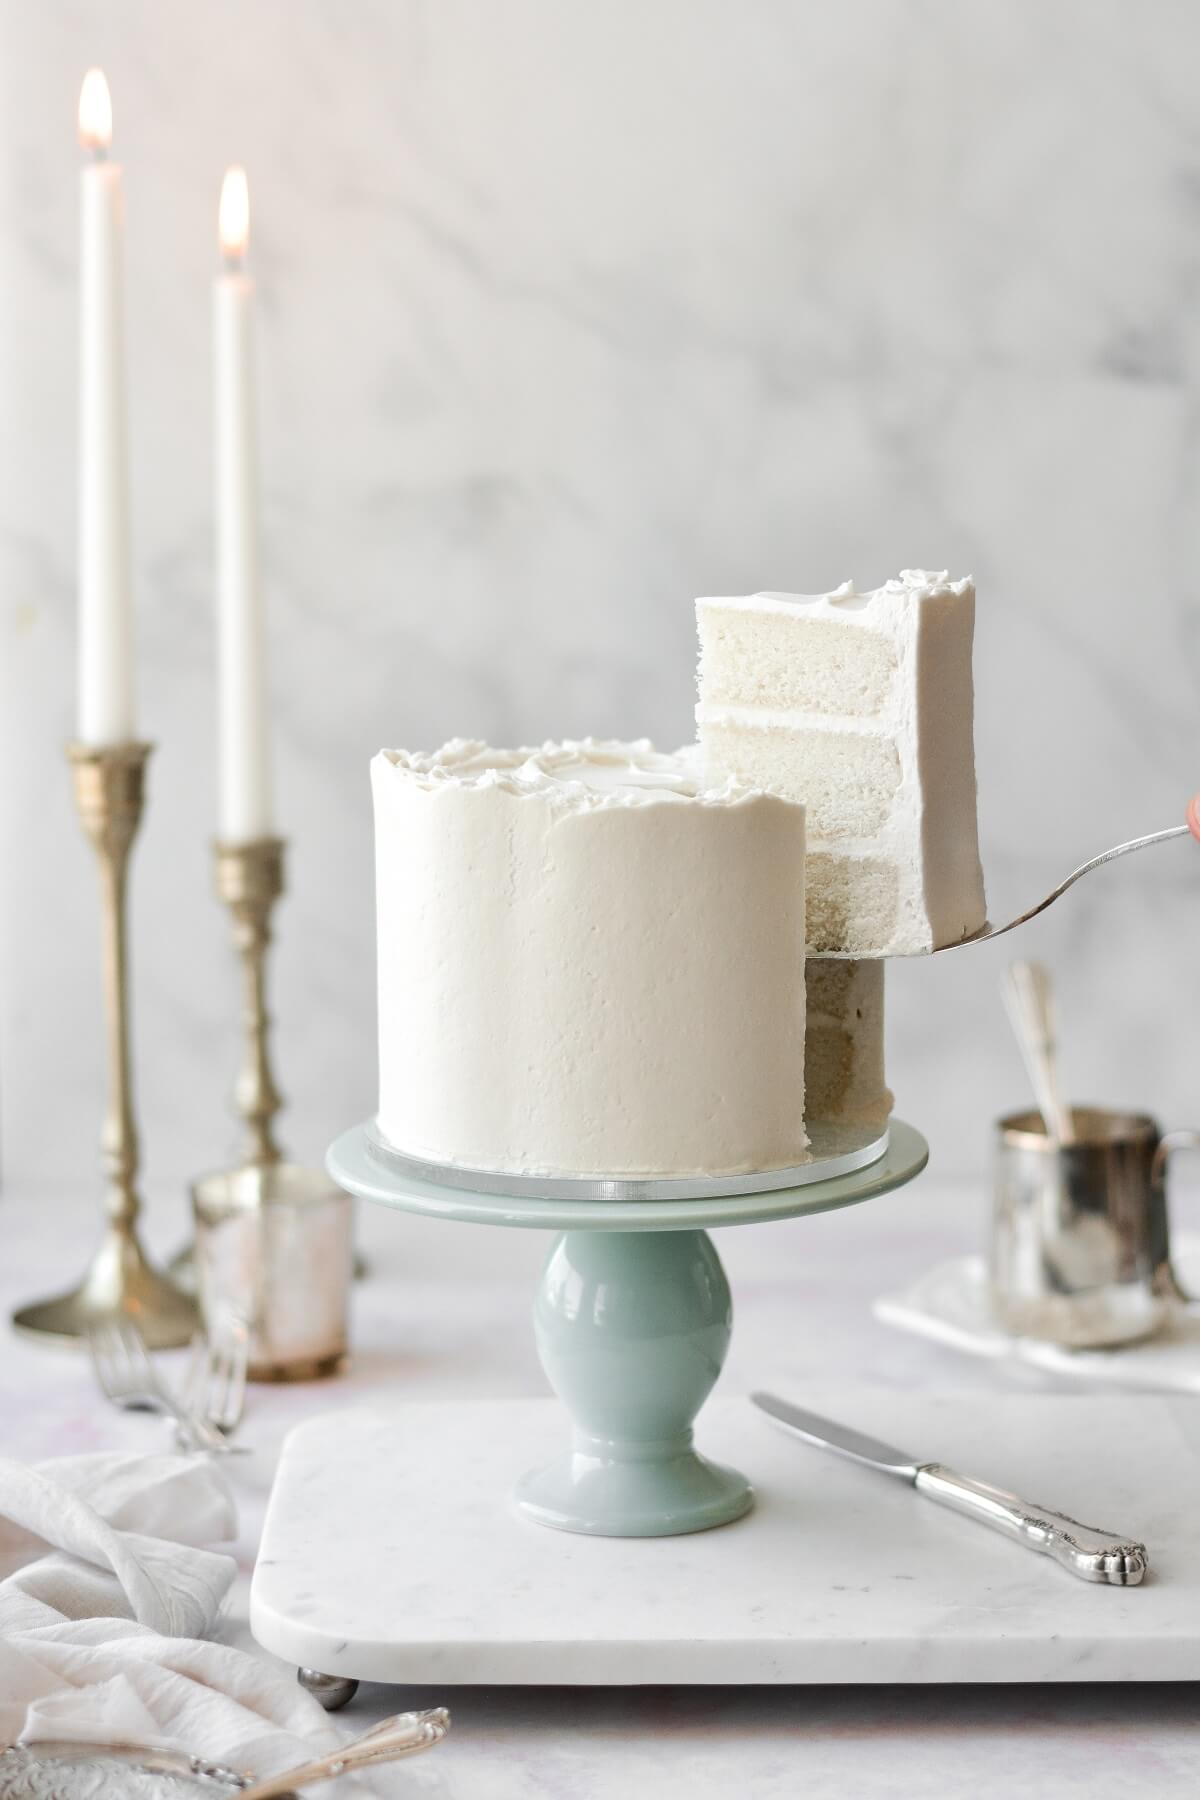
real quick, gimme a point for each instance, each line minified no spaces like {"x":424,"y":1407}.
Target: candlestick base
{"x":120,"y":1283}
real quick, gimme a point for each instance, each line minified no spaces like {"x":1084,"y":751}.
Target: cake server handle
{"x":1086,"y":1550}
{"x":407,"y":1734}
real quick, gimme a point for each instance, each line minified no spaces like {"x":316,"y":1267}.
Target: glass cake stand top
{"x":632,"y":1320}
{"x":846,"y":1167}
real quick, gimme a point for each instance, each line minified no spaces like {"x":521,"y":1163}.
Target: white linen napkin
{"x":106,"y":1591}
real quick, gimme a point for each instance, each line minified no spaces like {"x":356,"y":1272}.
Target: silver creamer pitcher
{"x":1080,"y":1253}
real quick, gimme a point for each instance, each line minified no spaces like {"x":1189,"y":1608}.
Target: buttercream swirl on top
{"x":581,"y":774}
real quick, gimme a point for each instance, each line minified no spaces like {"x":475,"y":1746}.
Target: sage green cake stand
{"x":633,"y":1314}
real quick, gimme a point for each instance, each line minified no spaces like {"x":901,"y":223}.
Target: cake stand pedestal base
{"x":605,"y":1492}
{"x":632,"y":1329}
{"x":633,"y":1314}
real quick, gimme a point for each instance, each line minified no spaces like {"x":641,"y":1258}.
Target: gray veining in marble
{"x":570,"y":313}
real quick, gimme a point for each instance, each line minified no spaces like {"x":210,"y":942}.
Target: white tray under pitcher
{"x":949,"y":1304}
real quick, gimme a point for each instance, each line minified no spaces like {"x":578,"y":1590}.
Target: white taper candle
{"x":105,"y":698}
{"x":244,"y":810}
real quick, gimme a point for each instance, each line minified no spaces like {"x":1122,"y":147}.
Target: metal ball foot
{"x":333,"y":1691}
{"x":632,"y":1329}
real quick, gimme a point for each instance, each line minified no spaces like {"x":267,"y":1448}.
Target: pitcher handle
{"x":1167,"y":1282}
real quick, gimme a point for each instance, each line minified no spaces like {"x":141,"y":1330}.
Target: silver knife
{"x":1085,"y":1550}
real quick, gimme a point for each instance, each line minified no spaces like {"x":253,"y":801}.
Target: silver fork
{"x":215,"y":1387}
{"x":129,"y":1379}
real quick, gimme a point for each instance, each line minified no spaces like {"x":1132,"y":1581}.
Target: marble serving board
{"x":391,"y":1552}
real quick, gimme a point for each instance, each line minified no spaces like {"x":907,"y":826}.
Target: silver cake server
{"x":1086,"y":1550}
{"x":1192,"y":828}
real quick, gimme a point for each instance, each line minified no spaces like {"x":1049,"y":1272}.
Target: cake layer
{"x":844,"y":1080}
{"x":810,"y":665}
{"x":588,"y":964}
{"x":854,"y":904}
{"x":878,"y":747}
{"x":845,"y":780}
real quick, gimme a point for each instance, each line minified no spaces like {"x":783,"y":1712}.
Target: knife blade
{"x":1088,"y":1551}
{"x":827,"y":1435}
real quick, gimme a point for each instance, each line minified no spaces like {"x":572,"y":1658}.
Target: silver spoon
{"x":1029,"y":998}
{"x":404,"y":1735}
{"x":1192,"y":828}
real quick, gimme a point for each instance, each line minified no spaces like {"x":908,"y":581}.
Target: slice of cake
{"x":844,"y":1080}
{"x":861,"y":707}
{"x":588,"y":965}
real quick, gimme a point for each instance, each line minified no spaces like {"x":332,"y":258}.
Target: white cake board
{"x":391,"y":1553}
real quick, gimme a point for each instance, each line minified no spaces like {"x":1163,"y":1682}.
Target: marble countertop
{"x":444,"y":1312}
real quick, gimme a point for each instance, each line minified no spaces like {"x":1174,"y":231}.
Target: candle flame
{"x":95,"y":113}
{"x":233,"y":218}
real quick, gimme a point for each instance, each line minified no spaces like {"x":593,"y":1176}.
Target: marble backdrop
{"x":571,"y":311}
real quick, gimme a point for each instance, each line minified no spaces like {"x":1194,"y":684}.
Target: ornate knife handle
{"x":1087,"y":1551}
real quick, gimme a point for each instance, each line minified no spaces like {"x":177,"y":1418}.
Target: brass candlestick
{"x":250,"y":881}
{"x":121,"y":1281}
{"x":272,"y":1238}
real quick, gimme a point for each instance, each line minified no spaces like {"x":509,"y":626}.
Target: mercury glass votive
{"x":274,"y":1249}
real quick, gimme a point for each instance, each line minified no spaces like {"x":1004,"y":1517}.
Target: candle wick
{"x":234,"y":261}
{"x":98,"y":152}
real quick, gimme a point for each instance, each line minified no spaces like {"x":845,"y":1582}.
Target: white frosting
{"x":576,"y":775}
{"x":931,"y":832}
{"x":587,"y":964}
{"x":851,"y":602}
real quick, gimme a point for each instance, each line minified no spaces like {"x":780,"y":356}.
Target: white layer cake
{"x":844,"y":1082}
{"x":588,"y":965}
{"x":859,"y":705}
